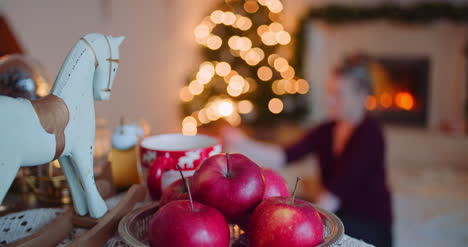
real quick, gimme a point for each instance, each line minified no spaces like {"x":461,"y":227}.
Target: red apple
{"x":175,"y":191}
{"x":275,"y":185}
{"x":285,"y":222}
{"x":231,"y":183}
{"x":183,"y":223}
{"x":178,"y":225}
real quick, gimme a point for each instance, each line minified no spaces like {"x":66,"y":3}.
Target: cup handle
{"x":154,"y":179}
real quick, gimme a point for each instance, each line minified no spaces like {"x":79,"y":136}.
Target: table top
{"x":15,"y":226}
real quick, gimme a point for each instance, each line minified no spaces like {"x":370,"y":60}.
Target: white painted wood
{"x":24,"y":142}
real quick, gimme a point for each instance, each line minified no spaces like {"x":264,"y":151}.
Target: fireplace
{"x":425,"y":64}
{"x":401,"y":89}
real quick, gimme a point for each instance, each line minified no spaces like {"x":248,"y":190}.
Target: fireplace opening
{"x":401,"y":87}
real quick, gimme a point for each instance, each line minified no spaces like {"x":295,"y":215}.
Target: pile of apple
{"x":231,"y":188}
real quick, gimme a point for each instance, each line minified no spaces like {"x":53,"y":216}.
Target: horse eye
{"x":114,"y":69}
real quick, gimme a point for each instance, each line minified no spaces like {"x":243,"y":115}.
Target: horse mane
{"x":74,"y":57}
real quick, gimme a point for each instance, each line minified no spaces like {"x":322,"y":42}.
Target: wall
{"x":156,"y":58}
{"x":442,"y":42}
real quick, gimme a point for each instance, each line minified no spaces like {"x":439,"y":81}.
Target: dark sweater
{"x":357,"y":176}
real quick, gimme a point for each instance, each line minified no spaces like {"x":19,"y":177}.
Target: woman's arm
{"x":270,"y":155}
{"x":264,"y":154}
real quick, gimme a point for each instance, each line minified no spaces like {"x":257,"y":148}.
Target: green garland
{"x":415,"y":14}
{"x":420,"y":13}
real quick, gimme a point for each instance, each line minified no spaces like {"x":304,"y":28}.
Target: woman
{"x":351,"y":154}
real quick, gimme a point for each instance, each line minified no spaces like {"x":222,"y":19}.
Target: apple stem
{"x":187,"y":186}
{"x":228,"y":164}
{"x":293,"y":195}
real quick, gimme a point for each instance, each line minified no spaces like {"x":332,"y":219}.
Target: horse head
{"x":106,"y":53}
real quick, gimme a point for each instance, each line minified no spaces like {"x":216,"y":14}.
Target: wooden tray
{"x":133,"y":228}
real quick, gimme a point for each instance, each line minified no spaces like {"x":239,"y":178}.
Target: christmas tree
{"x":244,"y":77}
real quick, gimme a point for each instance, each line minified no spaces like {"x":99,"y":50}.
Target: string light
{"x":288,"y":73}
{"x":251,"y":6}
{"x":228,"y":77}
{"x":236,"y":85}
{"x":281,"y":64}
{"x":283,"y":37}
{"x":214,"y":42}
{"x":262,"y":29}
{"x":275,"y":16}
{"x":244,"y":44}
{"x":185,"y":94}
{"x":278,"y":87}
{"x":205,"y":73}
{"x":245,"y":86}
{"x":245,"y":106}
{"x":264,"y":73}
{"x":243,"y":23}
{"x":233,"y":42}
{"x":223,"y":68}
{"x":189,"y":126}
{"x":269,"y":38}
{"x":202,"y":31}
{"x":272,"y":58}
{"x":195,"y":88}
{"x":228,"y":18}
{"x":275,"y":105}
{"x":263,"y":2}
{"x":233,"y":119}
{"x":275,"y":6}
{"x":302,"y":86}
{"x":202,"y":116}
{"x":216,"y":16}
{"x":225,"y":108}
{"x":289,"y":86}
{"x":276,"y":27}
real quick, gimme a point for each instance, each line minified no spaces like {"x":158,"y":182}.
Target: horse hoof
{"x":82,"y":211}
{"x":98,"y":210}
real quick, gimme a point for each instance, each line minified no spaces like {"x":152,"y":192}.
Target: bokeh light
{"x":189,"y":126}
{"x":195,"y":87}
{"x":269,"y":38}
{"x":302,"y":86}
{"x":223,"y":68}
{"x":216,"y":16}
{"x":228,"y":18}
{"x":225,"y":108}
{"x":214,"y":42}
{"x":276,"y":27}
{"x":289,"y":73}
{"x":245,"y":106}
{"x":185,"y":94}
{"x":275,"y":105}
{"x":202,"y":31}
{"x":251,"y":6}
{"x":281,"y":64}
{"x":264,"y":73}
{"x":283,"y":37}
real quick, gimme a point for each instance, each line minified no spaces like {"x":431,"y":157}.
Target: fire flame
{"x":400,"y":100}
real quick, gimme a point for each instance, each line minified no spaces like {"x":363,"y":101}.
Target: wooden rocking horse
{"x":62,"y":125}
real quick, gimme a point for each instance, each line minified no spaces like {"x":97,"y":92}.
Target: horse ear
{"x":119,"y":40}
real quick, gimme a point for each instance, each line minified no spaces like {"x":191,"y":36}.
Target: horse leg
{"x":7,"y":175}
{"x":83,"y":162}
{"x":79,"y":199}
